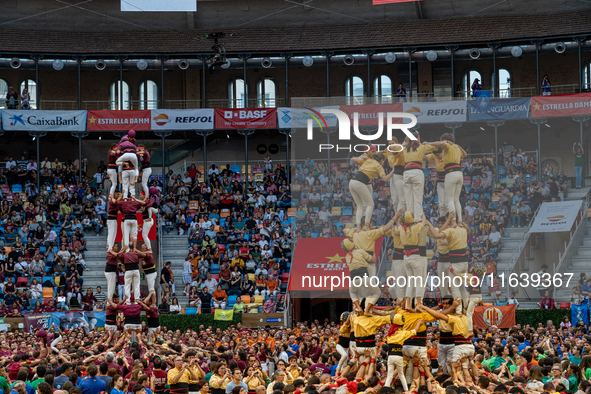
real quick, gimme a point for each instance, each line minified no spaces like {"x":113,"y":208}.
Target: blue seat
{"x":487,"y":195}
{"x":476,"y":195}
{"x":214,"y":216}
{"x":314,"y":235}
{"x":347,"y":211}
{"x":17,"y":188}
{"x":190,"y":311}
{"x":42,"y":249}
{"x":232,"y":300}
{"x":235,"y":168}
{"x":47,"y":278}
{"x":215,"y":268}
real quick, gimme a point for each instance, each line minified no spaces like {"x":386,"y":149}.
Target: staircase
{"x":95,"y":258}
{"x":174,"y":249}
{"x":576,"y":194}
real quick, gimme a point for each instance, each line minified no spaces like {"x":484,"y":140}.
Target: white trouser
{"x":132,"y":283}
{"x":128,"y":228}
{"x":460,"y":269}
{"x":344,"y":355}
{"x":111,"y":233}
{"x":146,"y":172}
{"x":443,"y":269}
{"x":396,"y":362}
{"x":460,"y":351}
{"x":414,"y":185}
{"x":441,"y":198}
{"x":454,"y":181}
{"x":221,"y":304}
{"x":112,"y":173}
{"x":128,"y":156}
{"x":111,"y":281}
{"x":398,"y":270}
{"x":127,"y":177}
{"x":397,"y":193}
{"x":444,"y":356}
{"x":475,"y":299}
{"x":361,"y":288}
{"x":409,"y":351}
{"x":151,"y":280}
{"x":362,"y":195}
{"x":416,"y":275}
{"x":148,"y":226}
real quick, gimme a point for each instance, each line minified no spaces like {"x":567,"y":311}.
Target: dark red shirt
{"x":131,"y":261}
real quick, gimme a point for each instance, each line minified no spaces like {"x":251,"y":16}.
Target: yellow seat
{"x":258,"y":177}
{"x":349,"y":225}
{"x":430,"y":254}
{"x":193,"y":204}
{"x":251,"y":277}
{"x":336,"y":211}
{"x":259,"y":299}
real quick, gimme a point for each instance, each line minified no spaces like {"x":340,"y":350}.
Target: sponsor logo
{"x":245,"y":114}
{"x":161,"y":119}
{"x":16,"y":119}
{"x":556,"y":218}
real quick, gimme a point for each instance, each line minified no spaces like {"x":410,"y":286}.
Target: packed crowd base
{"x":309,"y":358}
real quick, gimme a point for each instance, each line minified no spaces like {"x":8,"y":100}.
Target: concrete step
{"x":584,"y":251}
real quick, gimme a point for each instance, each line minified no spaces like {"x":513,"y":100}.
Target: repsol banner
{"x":437,"y":112}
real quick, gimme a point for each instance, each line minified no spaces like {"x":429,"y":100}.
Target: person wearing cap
{"x":395,"y":339}
{"x":413,"y":177}
{"x":454,"y":177}
{"x":396,"y":161}
{"x":360,"y":286}
{"x":127,"y":163}
{"x":476,"y":86}
{"x":413,"y":236}
{"x":360,"y":187}
{"x":457,"y":239}
{"x":11,"y":99}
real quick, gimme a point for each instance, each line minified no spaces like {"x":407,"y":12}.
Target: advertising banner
{"x":158,"y":5}
{"x":485,"y":108}
{"x":44,"y":120}
{"x":368,"y":115}
{"x":288,"y":118}
{"x":246,"y":118}
{"x":109,"y":120}
{"x":556,"y":216}
{"x":317,"y":258}
{"x":502,"y":316}
{"x":565,"y":105}
{"x":182,"y":119}
{"x":65,"y":320}
{"x":438,"y":111}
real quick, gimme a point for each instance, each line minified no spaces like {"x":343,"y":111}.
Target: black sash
{"x":362,"y":177}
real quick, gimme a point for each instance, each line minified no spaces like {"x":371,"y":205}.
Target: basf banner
{"x":246,"y":118}
{"x":565,"y":105}
{"x":556,"y":216}
{"x":485,"y":108}
{"x":182,"y":119}
{"x":44,"y":120}
{"x":288,"y":118}
{"x":438,"y":111}
{"x":111,"y":120}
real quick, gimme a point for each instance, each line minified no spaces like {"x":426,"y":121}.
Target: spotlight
{"x":546,"y":124}
{"x":34,"y":138}
{"x":228,"y":135}
{"x":100,"y":137}
{"x":481,"y":128}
